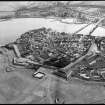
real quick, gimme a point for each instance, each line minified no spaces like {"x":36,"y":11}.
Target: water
{"x":10,"y":30}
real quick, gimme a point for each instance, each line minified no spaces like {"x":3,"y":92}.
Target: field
{"x":18,"y":86}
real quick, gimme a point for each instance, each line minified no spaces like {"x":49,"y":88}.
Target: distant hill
{"x":47,"y":8}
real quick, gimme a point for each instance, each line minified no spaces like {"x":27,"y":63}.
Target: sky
{"x":13,"y":5}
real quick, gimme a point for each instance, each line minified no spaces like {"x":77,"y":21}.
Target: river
{"x":12,"y":29}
